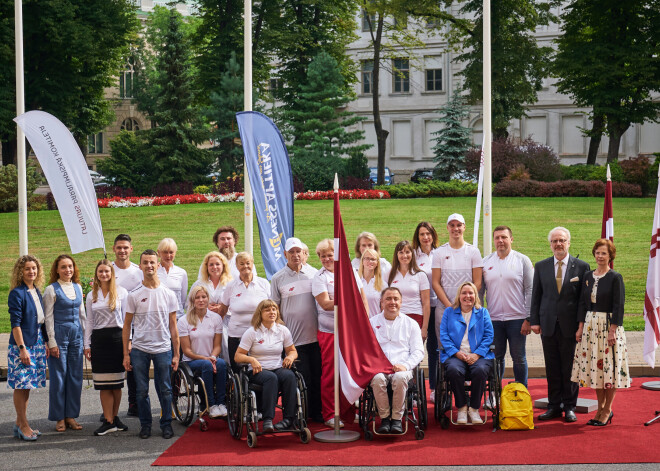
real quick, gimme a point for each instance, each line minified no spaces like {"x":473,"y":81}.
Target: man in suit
{"x":555,"y":295}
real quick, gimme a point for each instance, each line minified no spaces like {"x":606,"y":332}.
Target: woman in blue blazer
{"x":466,"y":334}
{"x":27,"y":351}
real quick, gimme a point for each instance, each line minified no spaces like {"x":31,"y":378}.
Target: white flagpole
{"x":480,"y":188}
{"x":20,"y":136}
{"x":247,"y":105}
{"x":488,"y":197}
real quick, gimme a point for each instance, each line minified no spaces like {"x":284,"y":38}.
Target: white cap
{"x":456,"y":217}
{"x":292,"y":242}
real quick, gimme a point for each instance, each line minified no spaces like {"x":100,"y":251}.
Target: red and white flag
{"x":652,"y":295}
{"x":360,"y":355}
{"x":607,"y":229}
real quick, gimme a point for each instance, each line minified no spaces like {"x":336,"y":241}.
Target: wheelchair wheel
{"x":302,"y":388}
{"x":234,"y":406}
{"x":252,"y":439}
{"x":201,"y":396}
{"x":422,"y":410}
{"x":444,"y":422}
{"x":439,"y":393}
{"x":419,"y":434}
{"x":182,"y":397}
{"x":305,"y":435}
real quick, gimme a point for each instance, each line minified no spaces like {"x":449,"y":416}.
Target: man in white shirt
{"x":401,"y":340}
{"x":508,"y":277}
{"x":151,"y":310}
{"x":129,"y":276}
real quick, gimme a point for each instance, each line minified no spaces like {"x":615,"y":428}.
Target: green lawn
{"x":192,"y":226}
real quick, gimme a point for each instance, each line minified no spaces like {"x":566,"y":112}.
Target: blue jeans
{"x":141,"y":361}
{"x":510,"y":330}
{"x":206,"y":371}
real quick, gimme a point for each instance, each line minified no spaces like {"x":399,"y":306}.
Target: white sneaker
{"x":475,"y":418}
{"x":432,"y":397}
{"x":222,"y":409}
{"x":331,"y":423}
{"x":462,"y":415}
{"x":214,"y":412}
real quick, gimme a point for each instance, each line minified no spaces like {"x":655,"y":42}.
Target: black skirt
{"x":107,"y":358}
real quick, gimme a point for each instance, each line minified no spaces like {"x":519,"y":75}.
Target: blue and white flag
{"x":270,"y":175}
{"x":67,"y":174}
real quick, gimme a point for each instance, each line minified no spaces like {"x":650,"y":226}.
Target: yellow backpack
{"x":516,"y":408}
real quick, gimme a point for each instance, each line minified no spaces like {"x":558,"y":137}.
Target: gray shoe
{"x":268,"y":426}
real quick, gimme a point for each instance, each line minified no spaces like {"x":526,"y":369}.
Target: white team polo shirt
{"x":151,"y":317}
{"x":456,"y":266}
{"x":202,"y":335}
{"x":292,"y":291}
{"x":242,"y":301}
{"x":128,"y":278}
{"x":266,"y":345}
{"x":411,"y":287}
{"x":324,"y":281}
{"x":425,"y":263}
{"x":508,"y":284}
{"x":373,"y":295}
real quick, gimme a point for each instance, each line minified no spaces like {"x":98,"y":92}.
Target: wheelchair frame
{"x":444,"y":396}
{"x":188,"y":391}
{"x":415,"y":399}
{"x":242,"y":408}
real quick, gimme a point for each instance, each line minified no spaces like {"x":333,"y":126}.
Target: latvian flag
{"x":652,"y":295}
{"x":360,"y":355}
{"x":607,"y":228}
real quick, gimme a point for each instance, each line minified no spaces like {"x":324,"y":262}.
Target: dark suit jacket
{"x":548,"y":306}
{"x":23,"y":314}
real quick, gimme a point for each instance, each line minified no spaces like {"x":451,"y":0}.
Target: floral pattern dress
{"x":596,"y":364}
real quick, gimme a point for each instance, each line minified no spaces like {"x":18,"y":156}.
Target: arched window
{"x":130,"y":124}
{"x":127,"y":79}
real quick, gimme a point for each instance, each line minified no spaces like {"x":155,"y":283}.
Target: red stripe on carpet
{"x":626,"y":440}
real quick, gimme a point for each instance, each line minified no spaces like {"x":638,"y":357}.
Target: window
{"x":274,"y":85}
{"x":366,"y":19}
{"x":433,"y":80}
{"x":401,"y":75}
{"x":95,"y":143}
{"x":367,"y":77}
{"x":130,"y":124}
{"x":127,"y":79}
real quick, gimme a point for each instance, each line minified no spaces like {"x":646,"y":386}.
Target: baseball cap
{"x":456,"y":217}
{"x":292,"y":242}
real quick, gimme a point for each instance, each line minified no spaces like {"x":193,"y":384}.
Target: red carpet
{"x":626,"y":440}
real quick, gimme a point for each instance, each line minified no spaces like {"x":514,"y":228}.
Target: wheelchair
{"x":243,"y":407}
{"x":189,"y":395}
{"x":415,"y":412}
{"x":444,"y":396}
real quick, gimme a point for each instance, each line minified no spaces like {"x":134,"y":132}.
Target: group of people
{"x":136,"y":315}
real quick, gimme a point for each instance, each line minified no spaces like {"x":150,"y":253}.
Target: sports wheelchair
{"x":415,"y":401}
{"x":188,"y":395}
{"x":443,"y":395}
{"x":243,"y":407}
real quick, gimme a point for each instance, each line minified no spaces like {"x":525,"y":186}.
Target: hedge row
{"x":564,"y":188}
{"x":430,"y":188}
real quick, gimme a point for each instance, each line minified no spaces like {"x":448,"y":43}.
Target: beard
{"x":228,"y":252}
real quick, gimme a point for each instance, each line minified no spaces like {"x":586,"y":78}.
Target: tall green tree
{"x":519,"y":63}
{"x":129,"y":163}
{"x":453,"y":140}
{"x":607,"y":59}
{"x":72,"y":52}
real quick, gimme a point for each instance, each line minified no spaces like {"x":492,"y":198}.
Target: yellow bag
{"x":516,"y":408}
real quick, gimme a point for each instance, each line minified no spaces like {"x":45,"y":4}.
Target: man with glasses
{"x":555,"y":294}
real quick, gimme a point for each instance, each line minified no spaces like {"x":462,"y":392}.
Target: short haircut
{"x":243,"y":256}
{"x":611,"y":249}
{"x":389,"y":288}
{"x":429,"y":227}
{"x":123,"y":237}
{"x":559,"y":228}
{"x":222,"y":229}
{"x":457,"y":299}
{"x":148,"y":252}
{"x":325,"y":244}
{"x":503,"y":228}
{"x":167,"y":244}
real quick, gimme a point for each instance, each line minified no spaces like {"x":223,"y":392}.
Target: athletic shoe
{"x":462,"y":415}
{"x":145,"y":431}
{"x":331,"y":423}
{"x":168,"y":432}
{"x":475,"y":418}
{"x":106,"y":427}
{"x":222,"y":409}
{"x":432,"y":397}
{"x":214,"y":412}
{"x":121,"y":426}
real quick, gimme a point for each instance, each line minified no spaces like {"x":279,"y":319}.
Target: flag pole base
{"x":651,"y":385}
{"x":337,"y":436}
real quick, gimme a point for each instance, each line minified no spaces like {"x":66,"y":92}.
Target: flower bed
{"x":136,"y":201}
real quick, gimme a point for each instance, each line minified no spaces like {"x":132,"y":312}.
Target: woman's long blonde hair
{"x":225,"y":276}
{"x":17,"y":272}
{"x":191,"y":317}
{"x":457,"y":299}
{"x":378,"y":276}
{"x":112,"y":289}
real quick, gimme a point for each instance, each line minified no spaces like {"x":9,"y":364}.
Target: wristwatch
{"x":21,"y":347}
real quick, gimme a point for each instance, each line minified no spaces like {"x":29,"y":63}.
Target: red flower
{"x":609,"y":385}
{"x":607,"y":350}
{"x":600,"y":364}
{"x":584,"y":354}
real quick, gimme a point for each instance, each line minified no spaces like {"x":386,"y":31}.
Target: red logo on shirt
{"x":261,"y":341}
{"x":238,"y":295}
{"x":194,"y":329}
{"x":447,"y":257}
{"x":377,"y":327}
{"x":421,"y":264}
{"x":292,"y":288}
{"x":395,"y":281}
{"x":490,"y":268}
{"x":144,"y":300}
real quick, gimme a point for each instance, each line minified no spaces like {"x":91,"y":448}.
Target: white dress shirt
{"x":400,"y":339}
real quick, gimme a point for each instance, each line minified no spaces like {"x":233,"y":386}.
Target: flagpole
{"x":488,"y":196}
{"x":337,"y":435}
{"x":247,"y":106}
{"x":20,"y":136}
{"x":480,"y":188}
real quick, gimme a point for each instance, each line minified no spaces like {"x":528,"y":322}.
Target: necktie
{"x":558,"y":278}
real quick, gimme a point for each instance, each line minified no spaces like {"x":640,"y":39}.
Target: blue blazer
{"x":452,"y":330}
{"x":23,"y":314}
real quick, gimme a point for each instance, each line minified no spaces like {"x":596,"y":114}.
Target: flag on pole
{"x":480,"y":188}
{"x":652,"y":295}
{"x":360,"y":355}
{"x":607,"y":228}
{"x":270,"y":177}
{"x":68,"y":177}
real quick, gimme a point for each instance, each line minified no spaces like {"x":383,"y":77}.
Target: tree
{"x":172,"y":143}
{"x":453,"y":140}
{"x":519,"y":64}
{"x":72,"y":52}
{"x":607,"y":59}
{"x":225,"y":103}
{"x":129,"y":164}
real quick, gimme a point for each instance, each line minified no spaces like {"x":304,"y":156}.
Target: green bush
{"x":430,"y":188}
{"x":9,"y":186}
{"x":591,"y":172}
{"x":317,"y":172}
{"x":202,"y":190}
